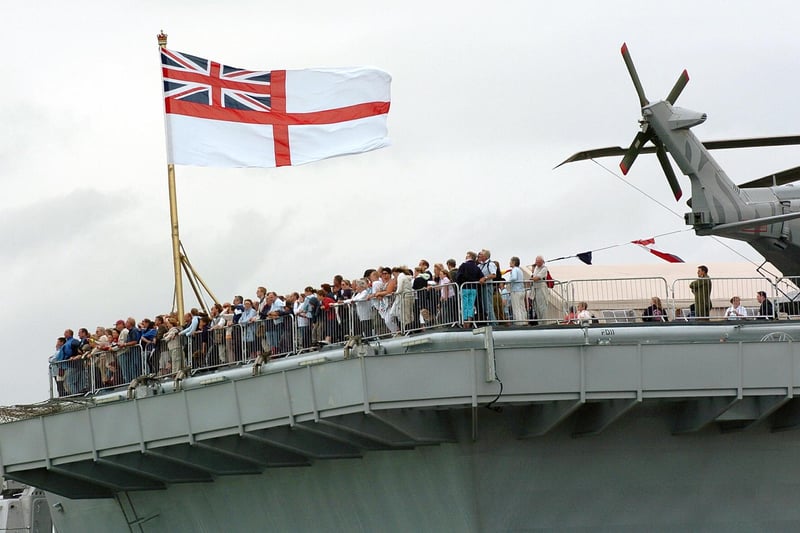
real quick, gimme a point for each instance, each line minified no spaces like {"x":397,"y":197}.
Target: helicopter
{"x":761,"y":212}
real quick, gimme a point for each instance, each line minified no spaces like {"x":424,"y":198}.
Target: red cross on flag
{"x":221,"y":116}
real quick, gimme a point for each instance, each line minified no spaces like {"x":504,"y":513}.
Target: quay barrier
{"x":618,"y":300}
{"x":273,"y":337}
{"x":722,"y":291}
{"x":72,"y":377}
{"x":384,"y":323}
{"x":215,"y":347}
{"x":612,"y":301}
{"x":429,"y":307}
{"x":208,"y":349}
{"x":169,"y":356}
{"x":353,"y":317}
{"x":787,"y":300}
{"x":96,"y":370}
{"x":491,"y":303}
{"x":336,"y":321}
{"x":537,"y":303}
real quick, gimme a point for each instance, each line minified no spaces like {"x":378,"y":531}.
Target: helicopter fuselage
{"x":765,"y":217}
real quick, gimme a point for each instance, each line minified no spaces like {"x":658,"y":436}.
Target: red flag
{"x":646,"y":243}
{"x":670,"y":258}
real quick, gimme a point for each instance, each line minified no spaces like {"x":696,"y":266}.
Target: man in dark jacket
{"x":468,"y":276}
{"x":765,"y":310}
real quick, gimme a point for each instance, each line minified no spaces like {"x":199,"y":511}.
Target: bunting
{"x":586,"y":257}
{"x":647,"y":245}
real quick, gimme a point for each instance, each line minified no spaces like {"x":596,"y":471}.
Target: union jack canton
{"x":188,"y":78}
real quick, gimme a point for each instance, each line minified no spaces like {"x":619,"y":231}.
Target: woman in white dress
{"x":403,"y":306}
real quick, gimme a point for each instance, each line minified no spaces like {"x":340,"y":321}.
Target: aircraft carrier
{"x":607,"y":427}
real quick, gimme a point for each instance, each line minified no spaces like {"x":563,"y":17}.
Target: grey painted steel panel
{"x":337,"y":385}
{"x":635,"y":478}
{"x":165,"y":416}
{"x":117,"y":426}
{"x":770,"y":368}
{"x":691,"y":366}
{"x":210,"y":405}
{"x":62,"y":439}
{"x":542,"y":371}
{"x":617,"y":368}
{"x":407,"y":377}
{"x":23,"y":443}
{"x":431,"y":378}
{"x":524,"y":471}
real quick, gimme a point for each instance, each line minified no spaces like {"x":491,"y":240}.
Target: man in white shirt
{"x":276,"y":308}
{"x":517,"y":288}
{"x":486,"y":290}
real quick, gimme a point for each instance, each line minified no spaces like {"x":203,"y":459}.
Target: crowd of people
{"x":384,"y":301}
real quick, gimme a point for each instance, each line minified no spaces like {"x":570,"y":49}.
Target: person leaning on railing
{"x":363,"y":308}
{"x":468,"y":276}
{"x":57,"y":371}
{"x":174,"y":348}
{"x":448,"y":306}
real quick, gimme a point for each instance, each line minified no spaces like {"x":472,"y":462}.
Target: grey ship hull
{"x":662,"y":427}
{"x":634,"y":477}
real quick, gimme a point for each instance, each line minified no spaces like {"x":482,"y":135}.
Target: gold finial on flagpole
{"x":162,"y":39}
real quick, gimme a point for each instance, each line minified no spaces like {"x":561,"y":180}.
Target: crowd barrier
{"x":97,"y":370}
{"x":436,"y":306}
{"x":722,"y":292}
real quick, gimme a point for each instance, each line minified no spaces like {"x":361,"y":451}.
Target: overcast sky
{"x":486,"y":99}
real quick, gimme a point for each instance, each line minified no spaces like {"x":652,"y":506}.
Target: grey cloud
{"x":59,"y":221}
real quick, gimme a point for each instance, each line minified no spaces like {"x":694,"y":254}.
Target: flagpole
{"x":173,"y":218}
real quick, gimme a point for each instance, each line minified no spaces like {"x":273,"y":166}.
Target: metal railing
{"x":96,"y":370}
{"x":435,"y":306}
{"x":683,"y":300}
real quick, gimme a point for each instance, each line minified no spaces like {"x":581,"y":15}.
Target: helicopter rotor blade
{"x":683,"y":79}
{"x":630,"y":155}
{"x":753,"y":142}
{"x":626,"y":55}
{"x":661,"y":152}
{"x":778,"y":178}
{"x":783,"y":140}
